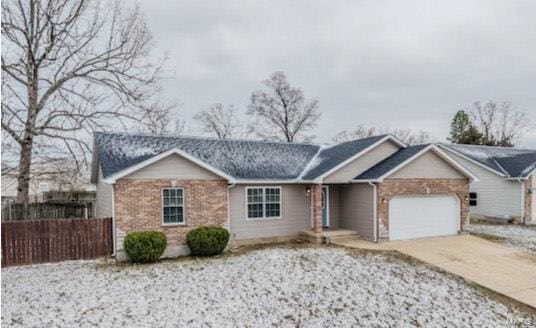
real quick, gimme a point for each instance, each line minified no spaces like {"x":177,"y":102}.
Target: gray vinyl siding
{"x":295,"y":214}
{"x":104,"y":197}
{"x":496,"y":196}
{"x":173,"y":167}
{"x":333,"y":206}
{"x":428,"y":166}
{"x":356,"y":209}
{"x":362,"y":163}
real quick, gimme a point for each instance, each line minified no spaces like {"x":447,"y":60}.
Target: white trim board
{"x":326,"y":203}
{"x":113,"y":178}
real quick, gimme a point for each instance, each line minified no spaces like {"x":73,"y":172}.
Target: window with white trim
{"x":263,"y":202}
{"x":172,"y":206}
{"x":43,"y":186}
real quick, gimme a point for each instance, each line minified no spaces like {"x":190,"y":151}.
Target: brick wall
{"x":397,"y":187}
{"x":138,"y":206}
{"x":316,"y":194}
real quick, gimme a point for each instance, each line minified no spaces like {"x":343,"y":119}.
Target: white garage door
{"x":423,"y":216}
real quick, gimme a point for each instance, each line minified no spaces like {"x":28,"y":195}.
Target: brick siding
{"x":398,"y":187}
{"x":138,"y":206}
{"x":316,"y":194}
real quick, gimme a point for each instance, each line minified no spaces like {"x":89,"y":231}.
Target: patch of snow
{"x":488,"y":152}
{"x":520,"y":237}
{"x":308,"y":287}
{"x":133,"y":150}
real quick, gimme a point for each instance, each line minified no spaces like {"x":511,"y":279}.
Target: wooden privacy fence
{"x":39,"y":241}
{"x":37,"y":211}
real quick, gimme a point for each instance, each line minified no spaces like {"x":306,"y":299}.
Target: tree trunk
{"x":25,"y":162}
{"x":23,"y":176}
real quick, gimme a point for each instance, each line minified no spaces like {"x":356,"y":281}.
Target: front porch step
{"x":325,"y":237}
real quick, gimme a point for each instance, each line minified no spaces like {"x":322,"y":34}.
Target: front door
{"x":325,"y":207}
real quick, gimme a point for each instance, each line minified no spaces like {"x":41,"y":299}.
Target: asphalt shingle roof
{"x":241,"y":159}
{"x":329,"y":158}
{"x":380,"y":169}
{"x":514,"y":162}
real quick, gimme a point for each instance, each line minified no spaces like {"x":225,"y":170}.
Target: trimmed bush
{"x":145,"y":246}
{"x":207,"y":241}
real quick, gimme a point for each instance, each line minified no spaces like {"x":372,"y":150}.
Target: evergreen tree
{"x":462,"y":130}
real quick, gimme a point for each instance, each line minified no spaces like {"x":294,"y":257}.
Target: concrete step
{"x":330,"y":239}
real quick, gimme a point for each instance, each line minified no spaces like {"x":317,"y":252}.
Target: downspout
{"x":114,"y":234}
{"x":375,"y":211}
{"x":311,"y":205}
{"x":522,"y":183}
{"x":229,"y":206}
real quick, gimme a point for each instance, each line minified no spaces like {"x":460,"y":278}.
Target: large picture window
{"x":263,"y":202}
{"x":172,"y":206}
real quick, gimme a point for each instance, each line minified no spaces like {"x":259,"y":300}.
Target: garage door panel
{"x":423,"y":216}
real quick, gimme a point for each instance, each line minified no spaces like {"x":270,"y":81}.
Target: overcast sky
{"x":402,"y":64}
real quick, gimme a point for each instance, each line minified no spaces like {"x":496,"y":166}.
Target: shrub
{"x":207,"y":241}
{"x":145,"y":246}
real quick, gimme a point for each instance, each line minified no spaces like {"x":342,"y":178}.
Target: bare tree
{"x":162,"y":120}
{"x":282,"y":111}
{"x":221,"y":121}
{"x":500,"y":123}
{"x":405,"y":135}
{"x":70,"y":67}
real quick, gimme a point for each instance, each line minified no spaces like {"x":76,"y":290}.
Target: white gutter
{"x":290,"y":181}
{"x":229,"y":207}
{"x":375,"y":212}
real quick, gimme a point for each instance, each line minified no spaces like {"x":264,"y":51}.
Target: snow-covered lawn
{"x":521,"y":237}
{"x":279,"y":286}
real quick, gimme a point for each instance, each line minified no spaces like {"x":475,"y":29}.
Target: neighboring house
{"x":45,"y":188}
{"x":506,"y":188}
{"x":260,"y":190}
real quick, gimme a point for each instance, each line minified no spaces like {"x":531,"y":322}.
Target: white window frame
{"x":167,"y":224}
{"x":44,"y":184}
{"x":263,"y":218}
{"x":326,"y":205}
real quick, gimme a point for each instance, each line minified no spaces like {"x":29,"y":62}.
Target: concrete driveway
{"x":500,"y":268}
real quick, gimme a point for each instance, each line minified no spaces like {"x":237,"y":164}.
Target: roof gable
{"x":402,"y":158}
{"x":362,"y":163}
{"x":240,"y":159}
{"x":174,"y":167}
{"x":332,"y":158}
{"x":429,"y":165}
{"x":504,"y":161}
